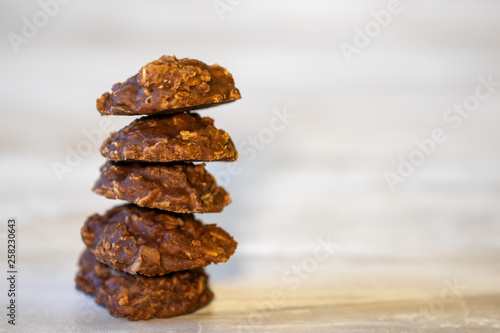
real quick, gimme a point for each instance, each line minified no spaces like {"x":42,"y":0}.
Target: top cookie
{"x":170,"y":85}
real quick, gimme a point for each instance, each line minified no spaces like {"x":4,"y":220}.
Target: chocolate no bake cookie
{"x":153,"y":242}
{"x":180,"y":188}
{"x":170,"y":85}
{"x":138,"y":297}
{"x":145,"y":259}
{"x":177,"y":137}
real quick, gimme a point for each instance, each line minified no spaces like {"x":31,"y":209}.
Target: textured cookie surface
{"x":153,"y":242}
{"x":170,"y":85}
{"x":170,"y":138}
{"x":180,"y":188}
{"x":139,"y":297}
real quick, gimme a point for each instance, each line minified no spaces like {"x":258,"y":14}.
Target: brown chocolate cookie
{"x":177,"y":137}
{"x":139,"y":297}
{"x":180,"y":188}
{"x":154,"y":242}
{"x":170,"y":85}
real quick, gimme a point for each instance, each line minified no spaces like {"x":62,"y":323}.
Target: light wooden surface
{"x":344,"y":294}
{"x":321,"y":176}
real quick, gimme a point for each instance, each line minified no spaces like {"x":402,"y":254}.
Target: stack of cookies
{"x":145,"y":259}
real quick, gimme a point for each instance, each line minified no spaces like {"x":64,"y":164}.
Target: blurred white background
{"x":322,"y":175}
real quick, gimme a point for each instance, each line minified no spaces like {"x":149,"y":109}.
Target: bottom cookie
{"x":139,"y":297}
